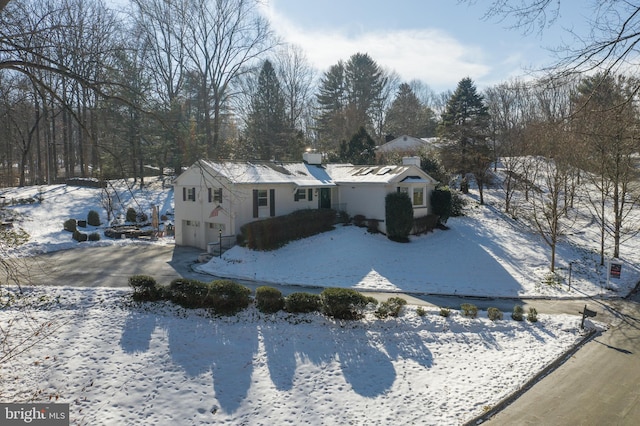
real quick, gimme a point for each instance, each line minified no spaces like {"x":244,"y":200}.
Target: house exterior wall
{"x":199,"y":218}
{"x":199,"y":212}
{"x":201,"y":215}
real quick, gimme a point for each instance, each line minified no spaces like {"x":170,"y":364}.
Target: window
{"x":188,"y":194}
{"x":215,"y":195}
{"x":418,"y":196}
{"x":263,"y":199}
{"x":301,"y":194}
{"x":403,"y":189}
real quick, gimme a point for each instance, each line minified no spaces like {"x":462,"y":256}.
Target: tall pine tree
{"x":464,"y":129}
{"x":268,"y":130}
{"x":408,"y":116}
{"x":349,"y":97}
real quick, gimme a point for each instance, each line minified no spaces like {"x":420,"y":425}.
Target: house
{"x":406,"y":145}
{"x":214,"y":199}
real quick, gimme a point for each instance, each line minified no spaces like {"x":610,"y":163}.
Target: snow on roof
{"x":300,"y":174}
{"x":308,"y":175}
{"x":347,"y":173}
{"x":406,"y":143}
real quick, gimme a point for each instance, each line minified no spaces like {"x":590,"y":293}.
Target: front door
{"x":325,"y":198}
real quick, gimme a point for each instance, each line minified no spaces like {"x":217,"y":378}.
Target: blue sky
{"x":436,"y":41}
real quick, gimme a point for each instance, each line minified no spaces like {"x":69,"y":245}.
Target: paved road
{"x":111,"y":266}
{"x":598,"y":385}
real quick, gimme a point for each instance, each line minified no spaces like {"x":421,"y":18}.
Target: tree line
{"x":89,"y":91}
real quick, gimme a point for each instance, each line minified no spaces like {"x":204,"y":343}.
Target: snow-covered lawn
{"x":483,"y":254}
{"x":121,"y":363}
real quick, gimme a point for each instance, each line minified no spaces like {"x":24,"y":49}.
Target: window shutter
{"x":272,"y":202}
{"x":295,"y":196}
{"x":255,"y":203}
{"x":310,"y":196}
{"x":209,"y":194}
{"x":184,"y":193}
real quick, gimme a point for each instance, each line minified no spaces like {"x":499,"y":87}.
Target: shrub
{"x":145,"y":288}
{"x":518,"y":313}
{"x":79,"y":236}
{"x":302,"y":302}
{"x":390,"y":308}
{"x":272,"y":233}
{"x":187,"y":293}
{"x":445,"y":312}
{"x":94,"y":236}
{"x":93,"y":218}
{"x":343,"y":303}
{"x":131,"y":215}
{"x":458,"y":204}
{"x":420,"y":311}
{"x":494,"y":314}
{"x":343,"y":217}
{"x":269,"y":299}
{"x":359,"y":220}
{"x":142,"y":217}
{"x":441,"y":203}
{"x":228,"y":297}
{"x":373,"y":226}
{"x":224,"y":297}
{"x":398,"y":216}
{"x":532,"y":316}
{"x":469,"y":310}
{"x":425,"y":224}
{"x":70,"y":225}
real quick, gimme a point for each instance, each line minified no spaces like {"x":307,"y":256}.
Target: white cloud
{"x":429,"y":55}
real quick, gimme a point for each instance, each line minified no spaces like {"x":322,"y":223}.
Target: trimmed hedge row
{"x":272,"y":233}
{"x":227,"y":297}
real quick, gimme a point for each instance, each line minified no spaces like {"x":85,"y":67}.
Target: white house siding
{"x":354,"y":189}
{"x":367,"y":200}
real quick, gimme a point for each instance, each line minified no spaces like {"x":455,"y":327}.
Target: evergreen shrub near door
{"x":273,"y":233}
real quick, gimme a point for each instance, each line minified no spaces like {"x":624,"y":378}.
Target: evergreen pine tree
{"x":464,"y":129}
{"x":268,"y":131}
{"x":408,"y":116}
{"x":360,"y":149}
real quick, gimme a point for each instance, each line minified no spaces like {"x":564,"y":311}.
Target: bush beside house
{"x":272,"y":233}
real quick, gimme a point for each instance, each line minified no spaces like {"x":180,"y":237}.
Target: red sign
{"x":615,"y":270}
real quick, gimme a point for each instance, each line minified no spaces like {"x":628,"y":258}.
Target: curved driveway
{"x":599,"y":384}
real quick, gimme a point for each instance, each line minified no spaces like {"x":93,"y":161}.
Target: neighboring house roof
{"x":300,"y":174}
{"x":406,"y":143}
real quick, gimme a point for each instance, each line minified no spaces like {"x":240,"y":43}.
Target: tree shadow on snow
{"x":225,"y":347}
{"x":137,"y":330}
{"x":365,"y":357}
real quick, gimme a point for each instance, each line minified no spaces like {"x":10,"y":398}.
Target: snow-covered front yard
{"x":117,"y":362}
